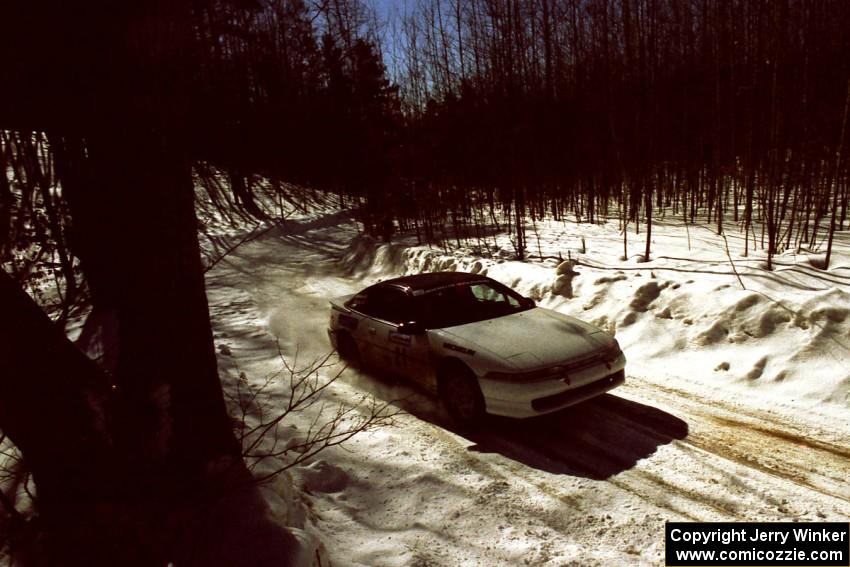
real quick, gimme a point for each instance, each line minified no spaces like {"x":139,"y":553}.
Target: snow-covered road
{"x":590,"y":485}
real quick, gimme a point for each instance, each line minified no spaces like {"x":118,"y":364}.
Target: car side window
{"x":486,"y":293}
{"x":358,"y":302}
{"x":386,"y":303}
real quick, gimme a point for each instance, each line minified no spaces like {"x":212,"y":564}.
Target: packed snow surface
{"x":735,"y":406}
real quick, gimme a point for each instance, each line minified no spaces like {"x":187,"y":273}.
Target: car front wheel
{"x":461,"y":395}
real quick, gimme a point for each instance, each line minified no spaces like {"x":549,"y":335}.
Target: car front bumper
{"x":520,"y":400}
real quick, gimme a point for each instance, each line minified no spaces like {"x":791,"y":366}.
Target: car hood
{"x":534,"y":338}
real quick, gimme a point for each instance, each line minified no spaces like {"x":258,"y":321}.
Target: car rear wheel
{"x":348,"y":351}
{"x":461,"y":395}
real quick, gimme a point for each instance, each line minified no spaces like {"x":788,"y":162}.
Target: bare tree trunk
{"x":6,"y":202}
{"x":136,"y":236}
{"x":834,"y":187}
{"x":170,"y":436}
{"x":53,"y":406}
{"x":648,"y":205}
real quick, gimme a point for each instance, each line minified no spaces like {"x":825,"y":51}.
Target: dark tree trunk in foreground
{"x":52,"y":405}
{"x":131,"y":462}
{"x":136,"y":236}
{"x":125,"y":462}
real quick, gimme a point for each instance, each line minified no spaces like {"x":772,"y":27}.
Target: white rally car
{"x":482,"y":347}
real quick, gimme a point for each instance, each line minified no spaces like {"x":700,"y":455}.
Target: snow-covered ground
{"x":735,"y":407}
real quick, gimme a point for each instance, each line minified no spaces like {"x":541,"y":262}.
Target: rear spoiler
{"x":338,"y":303}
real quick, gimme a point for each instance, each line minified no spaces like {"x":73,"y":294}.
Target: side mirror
{"x":528,"y":302}
{"x":411,"y":328}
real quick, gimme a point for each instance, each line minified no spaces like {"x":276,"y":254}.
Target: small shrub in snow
{"x":268,"y":447}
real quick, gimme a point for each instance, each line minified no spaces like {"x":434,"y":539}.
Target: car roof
{"x":433,"y":280}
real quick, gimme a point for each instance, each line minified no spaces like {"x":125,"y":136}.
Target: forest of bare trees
{"x":437,"y":112}
{"x":709,"y":110}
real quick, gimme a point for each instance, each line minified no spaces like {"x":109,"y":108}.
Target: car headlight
{"x":612,"y":350}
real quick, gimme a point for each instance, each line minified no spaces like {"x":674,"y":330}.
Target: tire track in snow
{"x":750,"y":449}
{"x":734,"y":413}
{"x":757,"y":440}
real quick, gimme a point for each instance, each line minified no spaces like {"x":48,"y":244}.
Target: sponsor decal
{"x":459,"y":349}
{"x":400,"y":338}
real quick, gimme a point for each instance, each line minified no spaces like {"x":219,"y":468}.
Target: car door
{"x":390,"y":349}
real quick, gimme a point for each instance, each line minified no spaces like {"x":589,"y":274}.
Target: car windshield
{"x":467,"y":302}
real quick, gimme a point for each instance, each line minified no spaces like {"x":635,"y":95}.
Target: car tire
{"x":461,"y":395}
{"x":348,"y":351}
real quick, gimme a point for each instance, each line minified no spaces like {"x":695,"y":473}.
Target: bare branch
{"x":330,"y":423}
